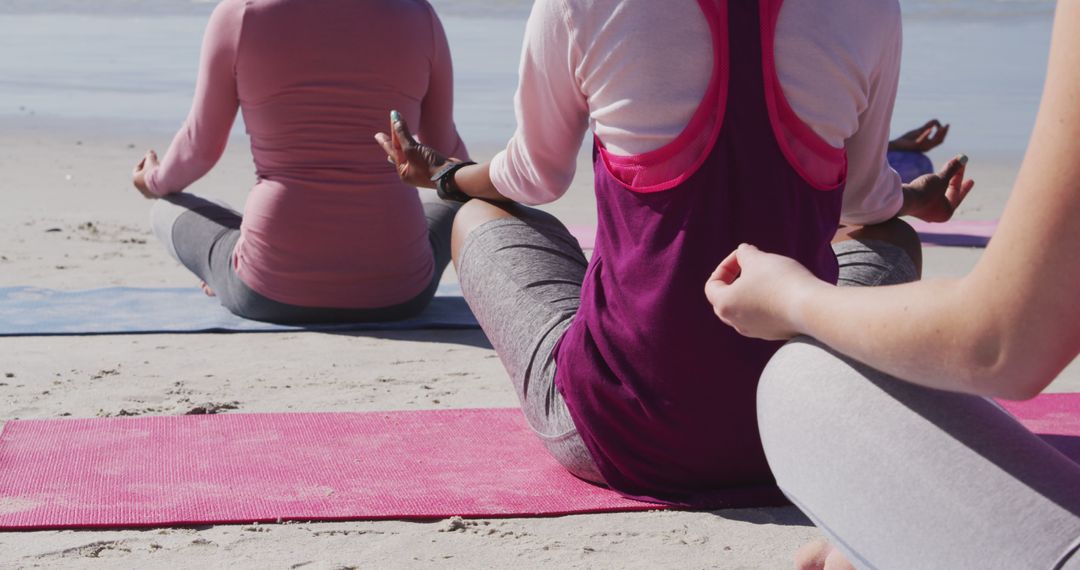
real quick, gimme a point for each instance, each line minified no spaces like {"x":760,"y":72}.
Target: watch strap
{"x":445,"y":186}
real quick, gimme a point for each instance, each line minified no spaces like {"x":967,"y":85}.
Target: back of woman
{"x":328,"y":227}
{"x":328,"y":222}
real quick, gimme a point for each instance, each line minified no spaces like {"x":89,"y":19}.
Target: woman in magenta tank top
{"x":328,"y":232}
{"x":620,"y":365}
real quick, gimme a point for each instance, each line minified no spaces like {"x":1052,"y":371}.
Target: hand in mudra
{"x":935,"y":197}
{"x":415,"y":162}
{"x":922,"y":139}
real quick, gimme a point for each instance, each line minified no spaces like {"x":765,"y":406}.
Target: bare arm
{"x":1007,"y":329}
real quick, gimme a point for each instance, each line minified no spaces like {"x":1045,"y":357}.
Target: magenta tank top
{"x":662,"y":392}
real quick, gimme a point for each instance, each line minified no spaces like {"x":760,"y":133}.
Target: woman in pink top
{"x":895,"y":449}
{"x":329,"y":232}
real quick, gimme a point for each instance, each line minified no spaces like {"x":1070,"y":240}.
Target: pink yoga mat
{"x":954,"y":233}
{"x":242,"y":468}
{"x":1049,"y":414}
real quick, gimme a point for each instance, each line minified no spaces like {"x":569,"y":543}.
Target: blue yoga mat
{"x":29,"y":311}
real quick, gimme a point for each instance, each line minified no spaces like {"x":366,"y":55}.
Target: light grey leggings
{"x":900,"y":476}
{"x":201,"y":235}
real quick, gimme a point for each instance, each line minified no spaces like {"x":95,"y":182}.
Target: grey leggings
{"x":900,"y":476}
{"x":202,"y":235}
{"x":522,"y":278}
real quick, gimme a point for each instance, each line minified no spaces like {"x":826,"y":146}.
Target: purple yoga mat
{"x":955,"y":233}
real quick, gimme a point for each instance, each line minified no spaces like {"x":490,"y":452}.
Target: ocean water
{"x":130,"y":65}
{"x":972,"y":9}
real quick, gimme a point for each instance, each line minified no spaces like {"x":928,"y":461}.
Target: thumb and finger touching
{"x":148,"y":160}
{"x":924,"y":135}
{"x":728,"y":270}
{"x":719,"y":286}
{"x":928,"y":136}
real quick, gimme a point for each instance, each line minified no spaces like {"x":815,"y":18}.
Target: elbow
{"x":1015,"y":385}
{"x":1027,"y":380}
{"x":528,"y":179}
{"x":1023,"y":393}
{"x":1005,"y":364}
{"x":204,"y":158}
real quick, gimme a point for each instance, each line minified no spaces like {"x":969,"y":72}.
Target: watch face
{"x":442,"y":171}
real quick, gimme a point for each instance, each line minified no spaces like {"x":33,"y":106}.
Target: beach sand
{"x":71,"y":220}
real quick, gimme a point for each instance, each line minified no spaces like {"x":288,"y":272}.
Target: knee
{"x":896,"y":232}
{"x":475,"y":213}
{"x":905,"y":236}
{"x":472,"y":215}
{"x":160,"y":213}
{"x":163,"y":216}
{"x":902,"y":234}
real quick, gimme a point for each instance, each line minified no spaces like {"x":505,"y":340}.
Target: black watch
{"x":444,"y":182}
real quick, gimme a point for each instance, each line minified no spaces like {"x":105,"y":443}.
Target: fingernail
{"x":395,"y":116}
{"x":963,"y":160}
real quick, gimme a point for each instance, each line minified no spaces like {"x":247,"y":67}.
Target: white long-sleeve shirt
{"x":635,"y":71}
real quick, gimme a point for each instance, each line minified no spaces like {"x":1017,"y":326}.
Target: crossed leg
{"x":900,"y":476}
{"x":202,"y":234}
{"x":521,"y":272}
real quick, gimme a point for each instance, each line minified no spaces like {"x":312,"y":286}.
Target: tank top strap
{"x":671,"y":164}
{"x":822,"y":165}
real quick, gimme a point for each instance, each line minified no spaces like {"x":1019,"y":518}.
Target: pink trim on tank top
{"x":820,"y":164}
{"x":662,"y":169}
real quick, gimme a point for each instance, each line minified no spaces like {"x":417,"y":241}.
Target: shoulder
{"x":870,"y":20}
{"x":865,"y":32}
{"x":585,"y":20}
{"x":230,"y":8}
{"x":846,"y":18}
{"x":555,"y":11}
{"x":421,"y":14}
{"x":227,"y":19}
{"x":421,"y":8}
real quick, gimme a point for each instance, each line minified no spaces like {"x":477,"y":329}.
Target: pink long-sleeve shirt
{"x":328,"y":224}
{"x":635,"y":71}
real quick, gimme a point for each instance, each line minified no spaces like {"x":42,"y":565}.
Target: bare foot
{"x":820,"y":555}
{"x":206,"y":289}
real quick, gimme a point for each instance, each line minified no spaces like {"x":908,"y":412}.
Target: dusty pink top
{"x":636,"y":71}
{"x":328,"y":224}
